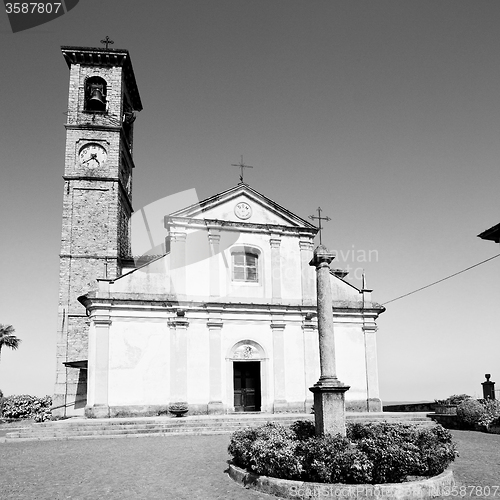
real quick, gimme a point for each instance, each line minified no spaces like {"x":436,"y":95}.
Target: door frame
{"x":258,"y":388}
{"x":257,"y":353}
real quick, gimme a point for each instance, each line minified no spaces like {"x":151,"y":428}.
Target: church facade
{"x":224,"y":319}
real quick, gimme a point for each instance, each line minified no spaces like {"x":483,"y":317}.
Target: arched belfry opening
{"x":95,"y":94}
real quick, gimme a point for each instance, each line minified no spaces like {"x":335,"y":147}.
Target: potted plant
{"x":178,"y":409}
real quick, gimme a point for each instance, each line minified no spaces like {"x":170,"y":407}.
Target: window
{"x":245,"y":266}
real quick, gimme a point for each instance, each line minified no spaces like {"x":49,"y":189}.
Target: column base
{"x":216,"y":408}
{"x":329,"y":406}
{"x":97,"y":411}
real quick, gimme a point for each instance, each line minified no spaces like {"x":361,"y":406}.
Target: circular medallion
{"x":243,"y":210}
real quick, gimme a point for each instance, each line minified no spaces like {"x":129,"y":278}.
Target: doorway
{"x":246,"y":385}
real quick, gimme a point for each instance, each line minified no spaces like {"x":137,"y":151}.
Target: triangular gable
{"x":222,"y":207}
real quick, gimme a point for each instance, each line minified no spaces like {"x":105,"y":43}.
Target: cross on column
{"x":242,"y":166}
{"x":107,"y":41}
{"x":319,"y":218}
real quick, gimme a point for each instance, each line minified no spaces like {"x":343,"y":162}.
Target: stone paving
{"x":176,"y":467}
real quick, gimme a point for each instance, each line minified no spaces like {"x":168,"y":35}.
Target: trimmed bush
{"x":334,"y":459}
{"x":455,"y":399}
{"x":303,"y":429}
{"x":491,"y":412}
{"x":470,"y":413}
{"x":25,"y":406}
{"x":371,"y":453}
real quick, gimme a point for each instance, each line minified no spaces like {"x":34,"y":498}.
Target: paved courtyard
{"x":175,"y":467}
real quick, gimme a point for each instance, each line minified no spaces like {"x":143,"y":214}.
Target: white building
{"x":226,"y":320}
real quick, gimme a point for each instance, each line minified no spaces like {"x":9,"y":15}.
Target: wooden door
{"x":247,"y":386}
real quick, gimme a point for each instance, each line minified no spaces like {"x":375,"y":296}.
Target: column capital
{"x":305,"y":245}
{"x":322,"y":257}
{"x":213,"y":236}
{"x":275,"y":242}
{"x":177,"y":236}
{"x":178,"y":322}
{"x":213,"y":324}
{"x":278,"y":325}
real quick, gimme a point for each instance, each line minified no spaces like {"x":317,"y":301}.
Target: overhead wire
{"x":441,"y":280}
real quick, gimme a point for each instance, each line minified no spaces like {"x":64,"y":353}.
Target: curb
{"x":440,"y":485}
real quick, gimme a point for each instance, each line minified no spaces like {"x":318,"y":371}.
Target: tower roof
{"x":99,"y":56}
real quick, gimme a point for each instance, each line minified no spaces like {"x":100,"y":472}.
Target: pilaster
{"x":215,"y":404}
{"x":275,"y":243}
{"x":98,"y":367}
{"x":178,"y":262}
{"x":214,"y":241}
{"x":278,"y":329}
{"x":307,"y":278}
{"x":178,"y":357}
{"x":373,"y":397}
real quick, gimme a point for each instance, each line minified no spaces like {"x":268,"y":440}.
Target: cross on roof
{"x":312,"y":217}
{"x":242,"y":166}
{"x":107,"y":41}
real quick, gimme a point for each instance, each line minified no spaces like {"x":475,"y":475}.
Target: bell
{"x":96,"y":101}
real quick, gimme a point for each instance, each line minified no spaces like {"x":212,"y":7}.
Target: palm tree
{"x":7,"y":337}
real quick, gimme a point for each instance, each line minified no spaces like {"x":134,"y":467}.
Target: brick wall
{"x":95,"y":220}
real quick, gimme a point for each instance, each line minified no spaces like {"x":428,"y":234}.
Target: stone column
{"x":214,"y":240}
{"x":178,"y":358}
{"x":305,"y":273}
{"x":98,"y":366}
{"x":215,"y":405}
{"x":275,"y":243}
{"x":329,"y":404}
{"x":280,"y":403}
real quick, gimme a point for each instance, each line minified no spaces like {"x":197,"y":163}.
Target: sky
{"x":385,"y":113}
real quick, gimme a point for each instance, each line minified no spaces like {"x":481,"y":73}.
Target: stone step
{"x":80,"y":428}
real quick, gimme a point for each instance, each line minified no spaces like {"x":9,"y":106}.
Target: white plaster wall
{"x":350,"y":359}
{"x":139,"y":362}
{"x":198,"y":370}
{"x":294,"y":363}
{"x":152,"y":278}
{"x":291,"y":280}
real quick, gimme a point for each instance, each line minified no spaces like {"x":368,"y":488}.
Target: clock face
{"x":92,"y":155}
{"x":243,"y":210}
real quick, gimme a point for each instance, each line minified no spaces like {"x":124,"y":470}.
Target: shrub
{"x":391,"y":448}
{"x":240,"y":446}
{"x":470,"y":412}
{"x":437,"y":450}
{"x":303,"y":429}
{"x":26,"y":406}
{"x":334,"y":459}
{"x":456,"y":399}
{"x":491,"y":412}
{"x":370,"y":453}
{"x":273,"y":453}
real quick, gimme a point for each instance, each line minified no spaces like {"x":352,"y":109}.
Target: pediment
{"x":243,"y":205}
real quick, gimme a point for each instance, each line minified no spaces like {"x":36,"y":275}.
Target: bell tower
{"x":97,"y":200}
